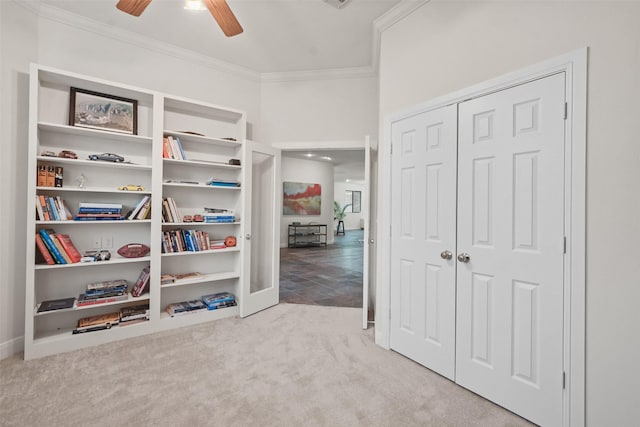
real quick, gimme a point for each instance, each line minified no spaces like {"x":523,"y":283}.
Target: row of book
{"x":126,"y":316}
{"x":172,"y":148}
{"x":206,"y":302}
{"x":55,"y":248}
{"x":180,"y":240}
{"x":100,"y":293}
{"x":170,"y":211}
{"x":49,"y":176}
{"x":50,"y":208}
{"x":90,"y":211}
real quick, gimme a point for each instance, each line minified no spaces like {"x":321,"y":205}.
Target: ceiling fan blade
{"x":224,"y":17}
{"x":133,"y":7}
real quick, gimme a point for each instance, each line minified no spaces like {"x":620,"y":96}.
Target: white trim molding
{"x":11,"y":348}
{"x":574,"y":65}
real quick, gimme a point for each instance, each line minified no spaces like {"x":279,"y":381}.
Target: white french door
{"x":262,"y":202}
{"x":496,"y":202}
{"x":423,"y":238}
{"x":511,"y":225}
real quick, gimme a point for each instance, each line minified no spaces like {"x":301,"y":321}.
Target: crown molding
{"x":87,"y":24}
{"x":319,"y":145}
{"x":386,"y":21}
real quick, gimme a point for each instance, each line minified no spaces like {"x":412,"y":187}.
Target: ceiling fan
{"x":219,"y":9}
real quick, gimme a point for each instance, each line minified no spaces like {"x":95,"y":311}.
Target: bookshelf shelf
{"x":130,"y":299}
{"x":86,"y":132}
{"x":209,"y":252}
{"x":225,"y":270}
{"x":201,"y":163}
{"x":113,"y":260}
{"x":203,"y":279}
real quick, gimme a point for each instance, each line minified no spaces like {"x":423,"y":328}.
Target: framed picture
{"x":101,"y":111}
{"x":356,"y":201}
{"x":301,"y":199}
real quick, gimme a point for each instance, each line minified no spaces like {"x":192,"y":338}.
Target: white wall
{"x":447,"y":46}
{"x":352,"y":220}
{"x":312,"y":172}
{"x":322,"y":110}
{"x":18,"y":47}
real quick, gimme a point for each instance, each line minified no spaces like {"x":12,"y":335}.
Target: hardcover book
{"x":141,"y":282}
{"x":56,"y":304}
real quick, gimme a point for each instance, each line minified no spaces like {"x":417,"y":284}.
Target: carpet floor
{"x":291,"y":365}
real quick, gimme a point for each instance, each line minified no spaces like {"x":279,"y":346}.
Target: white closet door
{"x":423,"y":289}
{"x":510,"y":224}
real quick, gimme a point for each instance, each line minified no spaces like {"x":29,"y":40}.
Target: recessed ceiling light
{"x":347,"y":180}
{"x":309,"y":155}
{"x":326,"y":158}
{"x":193,"y":5}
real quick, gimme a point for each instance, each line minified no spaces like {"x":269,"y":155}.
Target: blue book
{"x":53,"y":209}
{"x":99,"y":210}
{"x":97,"y":218}
{"x":57,"y":256}
{"x":179,"y":144}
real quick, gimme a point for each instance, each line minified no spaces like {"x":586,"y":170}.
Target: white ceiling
{"x":279,"y":35}
{"x":348,"y":164}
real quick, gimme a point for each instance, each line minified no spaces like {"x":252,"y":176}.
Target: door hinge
{"x":391,"y":151}
{"x":564,"y":380}
{"x":566,"y":110}
{"x":564,"y":249}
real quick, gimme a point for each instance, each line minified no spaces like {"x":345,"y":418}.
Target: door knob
{"x":446,"y":255}
{"x":248,"y":237}
{"x":371,"y":241}
{"x":464,"y":257}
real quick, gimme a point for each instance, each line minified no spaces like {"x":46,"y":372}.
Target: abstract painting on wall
{"x":301,"y":199}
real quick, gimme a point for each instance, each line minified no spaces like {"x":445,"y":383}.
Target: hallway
{"x":330,"y":276}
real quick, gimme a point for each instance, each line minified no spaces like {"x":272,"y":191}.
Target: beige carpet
{"x":291,"y":365}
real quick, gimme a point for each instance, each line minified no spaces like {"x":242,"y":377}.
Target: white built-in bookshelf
{"x":210,"y":136}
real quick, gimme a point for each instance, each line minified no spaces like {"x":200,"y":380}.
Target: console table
{"x":301,"y":236}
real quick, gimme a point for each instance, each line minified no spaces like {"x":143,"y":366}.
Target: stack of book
{"x":219,"y":300}
{"x":184,"y":241}
{"x":172,"y":148}
{"x":135,"y":314}
{"x":55,"y":248}
{"x":49,"y":208}
{"x":99,"y":211}
{"x":186,"y":307}
{"x":97,"y":323}
{"x":219,"y":217}
{"x":103,"y":292}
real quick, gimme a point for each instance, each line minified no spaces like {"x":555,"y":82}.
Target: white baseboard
{"x":11,"y":347}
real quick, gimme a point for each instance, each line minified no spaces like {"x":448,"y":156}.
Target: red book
{"x":43,"y":250}
{"x":141,"y":283}
{"x":69,"y":247}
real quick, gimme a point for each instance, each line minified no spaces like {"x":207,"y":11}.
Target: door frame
{"x":574,"y":64}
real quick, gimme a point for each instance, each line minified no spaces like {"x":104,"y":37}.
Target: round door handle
{"x":446,"y":255}
{"x":464,"y":257}
{"x":248,"y":237}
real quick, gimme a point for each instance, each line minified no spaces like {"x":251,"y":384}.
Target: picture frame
{"x":356,"y":201}
{"x":300,"y":198}
{"x":95,"y":110}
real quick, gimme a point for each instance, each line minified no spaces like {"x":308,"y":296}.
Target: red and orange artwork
{"x":301,"y":198}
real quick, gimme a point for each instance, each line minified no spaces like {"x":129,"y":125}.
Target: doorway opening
{"x":328,"y":274}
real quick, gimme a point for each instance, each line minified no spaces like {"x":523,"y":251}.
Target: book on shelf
{"x":53,"y":249}
{"x":69,"y":247}
{"x":100,"y":206}
{"x":134,"y":314}
{"x":43,"y":251}
{"x":56,"y":304}
{"x":42,"y":176}
{"x":51,"y":176}
{"x":107,"y":284}
{"x":166,"y":279}
{"x":98,"y":218}
{"x":97,"y":322}
{"x":43,"y":207}
{"x":84,"y":301}
{"x":142,"y":282}
{"x":58,"y":177}
{"x":186,"y":307}
{"x":222,"y":183}
{"x":145,"y":211}
{"x":138,"y":206}
{"x":218,"y":300}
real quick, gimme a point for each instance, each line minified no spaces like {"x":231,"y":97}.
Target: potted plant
{"x":340,"y":213}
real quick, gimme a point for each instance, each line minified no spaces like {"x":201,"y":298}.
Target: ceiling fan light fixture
{"x":195,"y":5}
{"x":338,"y":4}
